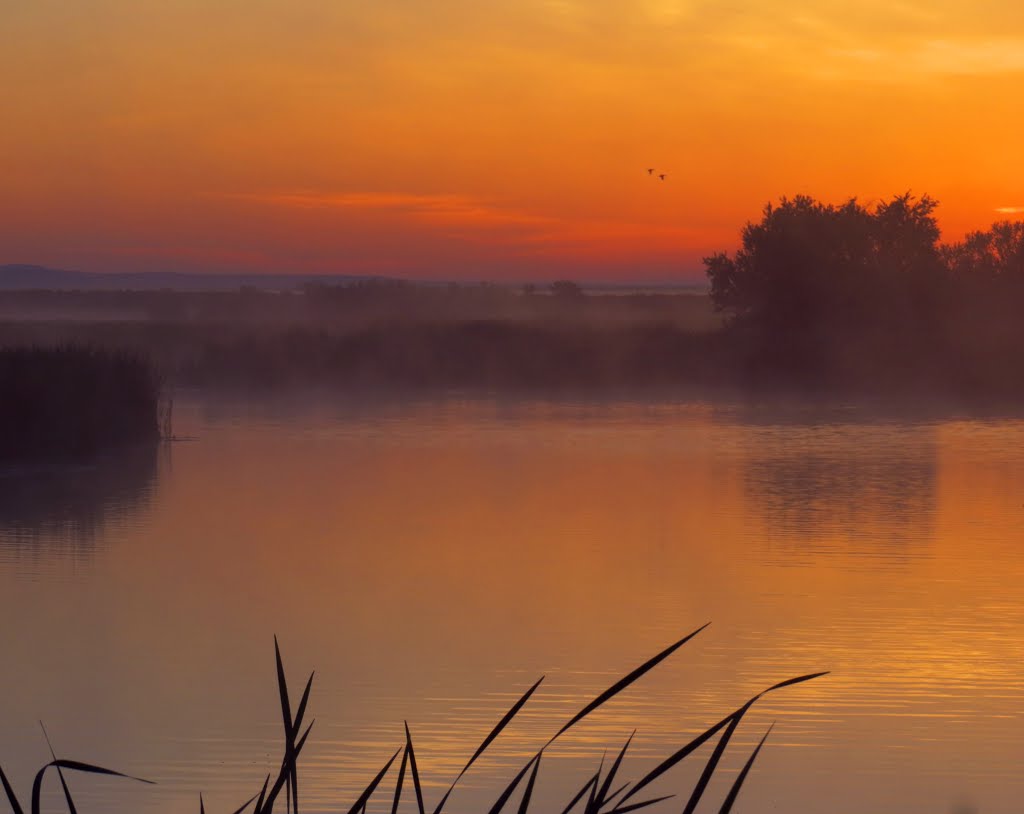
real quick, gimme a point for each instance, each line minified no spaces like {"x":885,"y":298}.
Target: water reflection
{"x":843,"y":488}
{"x":63,"y":509}
{"x":431,"y":563}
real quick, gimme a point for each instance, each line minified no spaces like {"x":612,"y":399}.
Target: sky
{"x":504,"y":140}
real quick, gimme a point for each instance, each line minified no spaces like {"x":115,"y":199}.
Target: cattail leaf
{"x":401,"y":778}
{"x":738,"y":784}
{"x":622,"y":683}
{"x":361,"y":802}
{"x":586,"y":787}
{"x":244,"y":805}
{"x":73,"y":765}
{"x":414,"y":770}
{"x":489,"y":739}
{"x":602,"y":794}
{"x":720,"y":747}
{"x":524,"y":804}
{"x":644,"y":804}
{"x":511,"y":787}
{"x":12,"y":798}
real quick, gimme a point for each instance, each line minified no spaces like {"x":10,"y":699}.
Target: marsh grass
{"x":73,"y":402}
{"x":599,"y":794}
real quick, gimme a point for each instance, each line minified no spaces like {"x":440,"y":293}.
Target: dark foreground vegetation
{"x":848,"y":299}
{"x":600,"y":794}
{"x":73,"y":402}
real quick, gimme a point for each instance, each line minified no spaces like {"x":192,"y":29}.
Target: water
{"x":431,"y":561}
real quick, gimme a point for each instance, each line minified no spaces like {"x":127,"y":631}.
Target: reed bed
{"x":600,"y":794}
{"x":75,"y":401}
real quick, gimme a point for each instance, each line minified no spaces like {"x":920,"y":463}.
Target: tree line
{"x":824,"y":293}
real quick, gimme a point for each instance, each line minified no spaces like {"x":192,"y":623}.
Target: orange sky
{"x":505,"y":139}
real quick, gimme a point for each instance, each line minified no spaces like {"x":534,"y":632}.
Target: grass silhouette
{"x":74,"y":401}
{"x":599,"y":795}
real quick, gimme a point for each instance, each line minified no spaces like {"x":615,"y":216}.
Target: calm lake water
{"x":431,"y":561}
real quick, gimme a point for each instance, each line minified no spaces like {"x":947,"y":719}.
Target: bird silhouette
{"x":661,"y":177}
{"x":650,"y":170}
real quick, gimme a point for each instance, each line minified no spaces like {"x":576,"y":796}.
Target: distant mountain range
{"x":24,"y":277}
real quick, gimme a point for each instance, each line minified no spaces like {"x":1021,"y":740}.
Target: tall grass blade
{"x":524,"y":804}
{"x":282,"y":777}
{"x":288,"y":776}
{"x":586,"y":787}
{"x":76,"y":766}
{"x":301,"y":711}
{"x":511,"y":787}
{"x":602,"y":794}
{"x":401,"y":778}
{"x":282,"y":686}
{"x":790,"y":682}
{"x":60,"y":772}
{"x":370,"y":789}
{"x":676,"y":757}
{"x":590,"y":808}
{"x":202,"y":808}
{"x":644,"y":804}
{"x":271,"y":798}
{"x":245,"y":805}
{"x":291,"y":792}
{"x":738,"y":784}
{"x":720,"y":747}
{"x":12,"y":798}
{"x":67,"y":792}
{"x":701,"y":739}
{"x":611,"y":797}
{"x":413,"y":769}
{"x":293,"y":781}
{"x":302,"y":740}
{"x":713,"y":761}
{"x":489,"y":739}
{"x":622,"y":683}
{"x":263,"y":793}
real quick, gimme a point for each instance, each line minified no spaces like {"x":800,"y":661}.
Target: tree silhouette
{"x":987,"y":257}
{"x":815,"y":286}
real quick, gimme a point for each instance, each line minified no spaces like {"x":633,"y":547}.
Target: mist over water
{"x":432,"y":559}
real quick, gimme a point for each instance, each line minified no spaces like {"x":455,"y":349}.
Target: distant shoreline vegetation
{"x":828,"y":295}
{"x":833,"y":299}
{"x":74,"y":402}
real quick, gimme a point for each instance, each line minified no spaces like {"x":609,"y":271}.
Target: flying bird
{"x":650,"y":170}
{"x":661,"y":176}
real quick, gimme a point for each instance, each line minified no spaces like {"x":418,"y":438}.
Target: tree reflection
{"x":855,"y":490}
{"x":63,"y":509}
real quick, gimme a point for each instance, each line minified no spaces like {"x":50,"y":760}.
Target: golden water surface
{"x":430,"y":561}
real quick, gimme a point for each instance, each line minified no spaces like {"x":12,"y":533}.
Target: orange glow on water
{"x":432,"y":561}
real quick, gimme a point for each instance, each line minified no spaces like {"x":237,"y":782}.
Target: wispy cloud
{"x":472,"y":220}
{"x":444,"y":207}
{"x":1009,"y":210}
{"x":980,"y":56}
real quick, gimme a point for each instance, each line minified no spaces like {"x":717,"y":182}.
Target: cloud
{"x":449,"y":208}
{"x":1009,"y":210}
{"x":508,"y":229}
{"x":981,"y":56}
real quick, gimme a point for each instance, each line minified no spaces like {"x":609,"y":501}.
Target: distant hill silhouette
{"x":29,"y":277}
